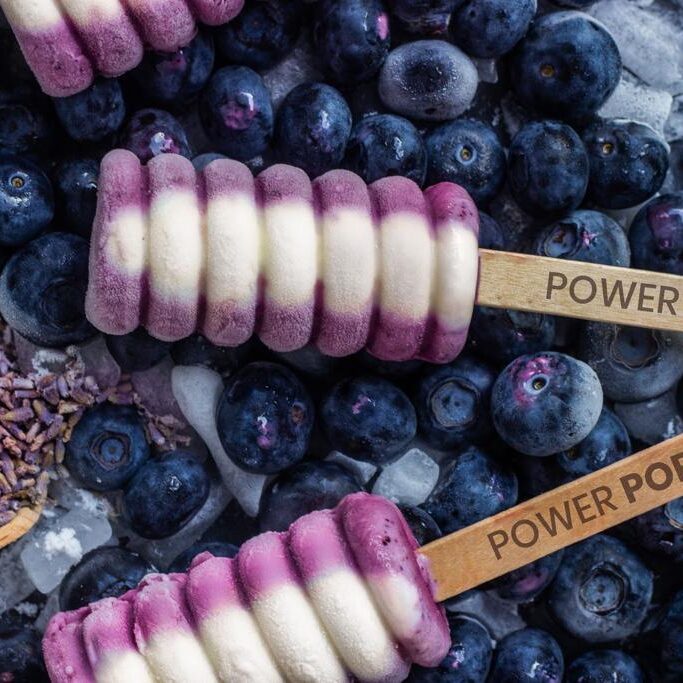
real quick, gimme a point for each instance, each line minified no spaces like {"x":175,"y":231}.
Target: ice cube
{"x":163,"y":551}
{"x":32,"y":358}
{"x":409,"y":480}
{"x":636,"y":101}
{"x":300,"y":66}
{"x":673,"y":130}
{"x":650,"y":43}
{"x":487,"y":70}
{"x":59,"y":542}
{"x":197,"y":391}
{"x":50,"y":608}
{"x":500,"y":617}
{"x":364,"y":471}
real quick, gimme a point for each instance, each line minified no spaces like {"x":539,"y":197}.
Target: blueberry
{"x":27,"y":203}
{"x":264,"y":33}
{"x":587,"y":236}
{"x":237,"y":113}
{"x":600,"y":666}
{"x":490,"y":28}
{"x":197,"y":350}
{"x":633,"y":364}
{"x":671,"y":638}
{"x":468,"y":659}
{"x":574,"y":4}
{"x":21,"y":659}
{"x":76,"y":194}
{"x":503,"y":335}
{"x":656,"y":235}
{"x":547,"y":168}
{"x":351,"y":38}
{"x":602,"y":591}
{"x":538,"y":475}
{"x":391,"y":369}
{"x":302,"y":489}
{"x":453,"y":403}
{"x":652,"y":421}
{"x":429,"y":80}
{"x":26,"y":124}
{"x":429,"y":17}
{"x":545,"y":402}
{"x":566,"y":67}
{"x":368,"y":418}
{"x":473,"y":486}
{"x":165,"y":494}
{"x":528,"y":655}
{"x":42,"y":290}
{"x":232,"y":526}
{"x":660,"y":531}
{"x":151,"y":132}
{"x":107,"y":448}
{"x":264,"y":418}
{"x":102,"y":573}
{"x":423,"y":526}
{"x":491,"y":235}
{"x":175,"y":78}
{"x":628,"y":163}
{"x":312,"y":128}
{"x":607,"y":443}
{"x":309,"y":361}
{"x":136,"y":351}
{"x":468,"y":153}
{"x":528,"y":582}
{"x":216,"y":548}
{"x":384,"y":145}
{"x":94,"y":114}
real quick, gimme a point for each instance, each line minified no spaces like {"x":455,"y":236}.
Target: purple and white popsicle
{"x":340,"y":596}
{"x":331,"y":262}
{"x":68,"y":42}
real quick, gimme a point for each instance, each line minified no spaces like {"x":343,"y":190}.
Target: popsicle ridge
{"x":67,"y":43}
{"x":338,"y":597}
{"x":331,"y":262}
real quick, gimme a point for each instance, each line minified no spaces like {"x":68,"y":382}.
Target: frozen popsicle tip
{"x":67,"y":43}
{"x":333,"y":263}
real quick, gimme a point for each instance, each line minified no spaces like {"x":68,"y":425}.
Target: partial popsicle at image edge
{"x":67,"y":43}
{"x":343,"y":593}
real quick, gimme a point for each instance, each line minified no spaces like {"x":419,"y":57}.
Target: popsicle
{"x":344,"y":594}
{"x":332,"y":262}
{"x":67,"y":43}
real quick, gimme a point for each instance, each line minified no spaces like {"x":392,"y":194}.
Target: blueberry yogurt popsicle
{"x":68,"y":42}
{"x":340,"y":596}
{"x":332,"y":262}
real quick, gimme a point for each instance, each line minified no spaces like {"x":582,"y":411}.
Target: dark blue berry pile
{"x":518,"y":102}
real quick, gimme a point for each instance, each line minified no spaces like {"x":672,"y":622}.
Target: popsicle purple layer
{"x":340,"y":596}
{"x":66,"y":43}
{"x":332,"y":263}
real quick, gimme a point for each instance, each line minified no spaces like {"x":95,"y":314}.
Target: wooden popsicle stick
{"x":17,"y":527}
{"x":557,"y":519}
{"x":574,"y":289}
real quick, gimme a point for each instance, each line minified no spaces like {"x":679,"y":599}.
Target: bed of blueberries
{"x":399,"y":87}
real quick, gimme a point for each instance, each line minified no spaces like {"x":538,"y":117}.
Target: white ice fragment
{"x":487,"y":70}
{"x":59,"y":542}
{"x":638,"y":102}
{"x":197,"y":391}
{"x":650,"y":43}
{"x":409,"y":480}
{"x":364,"y":471}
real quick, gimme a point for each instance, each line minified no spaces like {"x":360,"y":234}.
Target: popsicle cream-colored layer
{"x":67,"y":43}
{"x":332,"y":262}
